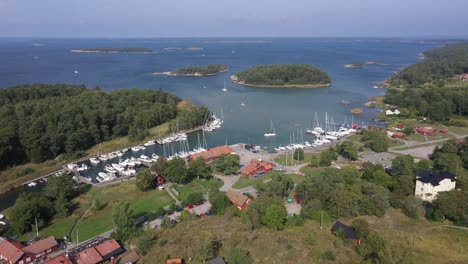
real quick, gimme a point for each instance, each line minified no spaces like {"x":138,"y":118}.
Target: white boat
{"x":135,"y":161}
{"x":120,"y":153}
{"x":224,"y":89}
{"x":118,"y":167}
{"x":272,"y":131}
{"x":154,"y":157}
{"x":110,"y":169}
{"x":102,"y":174}
{"x":136,"y":148}
{"x":111,"y":155}
{"x":124,"y":150}
{"x":94,"y":160}
{"x":72,"y":166}
{"x":243,"y":104}
{"x":99,"y":179}
{"x":375,"y":87}
{"x":76,"y":70}
{"x":32,"y":184}
{"x":144,"y":158}
{"x":149,"y":143}
{"x":103,"y":157}
{"x":83,"y":167}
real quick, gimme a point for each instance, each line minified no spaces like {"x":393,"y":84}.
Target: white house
{"x":392,"y":111}
{"x":429,"y":183}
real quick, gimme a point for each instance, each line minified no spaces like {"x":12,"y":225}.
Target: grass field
{"x":201,"y":186}
{"x":245,"y":181}
{"x":96,"y":222}
{"x":285,"y":160}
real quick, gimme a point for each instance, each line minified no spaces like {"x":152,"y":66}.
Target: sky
{"x":233,"y":18}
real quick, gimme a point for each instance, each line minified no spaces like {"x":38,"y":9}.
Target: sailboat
{"x":224,"y":89}
{"x":272,"y":131}
{"x":76,"y":70}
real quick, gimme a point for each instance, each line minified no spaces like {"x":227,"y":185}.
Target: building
{"x":398,"y":135}
{"x":464,"y":77}
{"x":107,"y":250}
{"x":257,"y":167}
{"x":174,"y":261}
{"x":429,"y":183}
{"x":60,"y":259}
{"x":425,"y":131}
{"x":13,"y":252}
{"x":89,"y":256}
{"x":212,"y":153}
{"x":348,"y":232}
{"x":392,"y":111}
{"x":238,"y":199}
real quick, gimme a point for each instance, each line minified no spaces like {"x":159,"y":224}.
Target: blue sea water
{"x":24,"y":61}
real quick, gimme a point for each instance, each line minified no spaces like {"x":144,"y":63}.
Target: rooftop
{"x":108,"y":247}
{"x":213,"y":152}
{"x":89,"y":256}
{"x":10,"y":251}
{"x":434,"y":178}
{"x":347,"y":230}
{"x":60,"y":259}
{"x":236,"y":197}
{"x":41,"y":245}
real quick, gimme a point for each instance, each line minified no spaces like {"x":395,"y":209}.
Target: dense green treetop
{"x":42,"y":121}
{"x":122,"y":50}
{"x":441,"y":63}
{"x":209,"y":69}
{"x":284,"y":75}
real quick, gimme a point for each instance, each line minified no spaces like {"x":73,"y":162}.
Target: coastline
{"x":301,"y":86}
{"x":112,"y":51}
{"x":197,"y":74}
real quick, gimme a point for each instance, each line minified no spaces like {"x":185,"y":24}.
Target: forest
{"x":43,"y":121}
{"x":437,"y":104}
{"x":283,"y":75}
{"x":440,"y":64}
{"x":209,"y":69}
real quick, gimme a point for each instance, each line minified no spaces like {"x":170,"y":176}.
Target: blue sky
{"x":231,"y":18}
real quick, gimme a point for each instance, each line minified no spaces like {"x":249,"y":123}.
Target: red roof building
{"x":238,"y":199}
{"x":212,"y":153}
{"x":398,"y":135}
{"x":425,"y":131}
{"x":256,"y":167}
{"x":13,"y":252}
{"x":60,"y":259}
{"x":89,"y":256}
{"x":174,"y":261}
{"x":109,"y":248}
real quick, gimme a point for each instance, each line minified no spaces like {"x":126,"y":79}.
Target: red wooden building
{"x":256,"y":167}
{"x":13,"y":252}
{"x":212,"y":153}
{"x":425,"y":131}
{"x":238,"y":199}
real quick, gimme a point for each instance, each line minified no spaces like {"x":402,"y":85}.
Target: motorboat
{"x":118,"y":167}
{"x":144,"y":158}
{"x":103,"y":157}
{"x":83,"y":167}
{"x":94,"y":160}
{"x":149,"y":143}
{"x":110,"y":169}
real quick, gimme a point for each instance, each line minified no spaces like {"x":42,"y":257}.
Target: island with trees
{"x":283,"y":76}
{"x":197,"y":71}
{"x":113,"y":50}
{"x":435,"y":88}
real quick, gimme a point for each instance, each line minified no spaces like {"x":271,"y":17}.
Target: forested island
{"x":114,"y":50}
{"x":43,"y":121}
{"x":283,"y":76}
{"x":197,"y":71}
{"x":436,"y":88}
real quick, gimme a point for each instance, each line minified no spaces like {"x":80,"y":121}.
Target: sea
{"x":292,"y":111}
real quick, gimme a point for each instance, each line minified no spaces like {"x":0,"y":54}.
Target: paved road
{"x":229,"y":181}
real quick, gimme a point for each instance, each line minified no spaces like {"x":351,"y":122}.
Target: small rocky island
{"x":283,"y":76}
{"x":197,"y":71}
{"x":114,"y":50}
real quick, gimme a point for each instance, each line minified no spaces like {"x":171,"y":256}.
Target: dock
{"x":41,"y":178}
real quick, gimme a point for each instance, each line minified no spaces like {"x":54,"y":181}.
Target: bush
{"x":298,"y":154}
{"x":192,"y":199}
{"x":328,"y":255}
{"x":145,"y":243}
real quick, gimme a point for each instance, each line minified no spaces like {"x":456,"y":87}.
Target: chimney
{"x":112,"y":260}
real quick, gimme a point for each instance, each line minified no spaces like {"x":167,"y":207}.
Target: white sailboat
{"x":272,"y":131}
{"x":224,"y":89}
{"x":76,"y":70}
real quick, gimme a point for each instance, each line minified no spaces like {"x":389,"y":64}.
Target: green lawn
{"x":286,"y":160}
{"x":98,"y":222}
{"x":310,"y":171}
{"x":245,"y":181}
{"x":201,"y":186}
